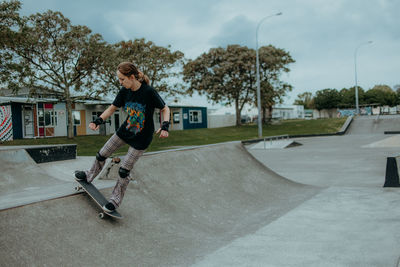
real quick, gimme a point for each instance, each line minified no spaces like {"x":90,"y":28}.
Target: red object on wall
{"x":48,"y":106}
{"x":35,"y":122}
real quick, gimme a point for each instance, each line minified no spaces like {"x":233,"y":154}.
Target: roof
{"x":31,"y":100}
{"x":95,"y":102}
{"x":182,"y":106}
{"x":25,"y":100}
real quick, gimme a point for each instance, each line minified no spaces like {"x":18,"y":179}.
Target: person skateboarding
{"x":139,"y":101}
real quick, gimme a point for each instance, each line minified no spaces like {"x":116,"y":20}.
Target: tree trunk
{"x":68,"y":102}
{"x":238,"y":117}
{"x":269,"y":114}
{"x":264,"y":115}
{"x":70,"y":125}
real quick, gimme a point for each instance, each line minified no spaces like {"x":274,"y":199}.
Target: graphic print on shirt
{"x":136,"y":117}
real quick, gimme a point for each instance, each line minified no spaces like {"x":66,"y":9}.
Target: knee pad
{"x":123,"y":173}
{"x":100,"y":157}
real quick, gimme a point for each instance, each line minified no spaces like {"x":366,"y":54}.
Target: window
{"x":76,"y":117}
{"x":41,"y":117}
{"x":195,"y":116}
{"x":95,"y":114}
{"x":177,"y":117}
{"x":47,"y":116}
{"x":50,"y":118}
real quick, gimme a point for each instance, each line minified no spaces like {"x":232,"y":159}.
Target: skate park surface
{"x":318,"y":204}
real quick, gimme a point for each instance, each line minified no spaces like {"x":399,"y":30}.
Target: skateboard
{"x":98,"y":197}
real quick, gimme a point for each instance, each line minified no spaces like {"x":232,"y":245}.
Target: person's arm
{"x":95,"y":125}
{"x":165,"y":115}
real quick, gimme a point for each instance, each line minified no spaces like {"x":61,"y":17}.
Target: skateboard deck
{"x":98,"y":197}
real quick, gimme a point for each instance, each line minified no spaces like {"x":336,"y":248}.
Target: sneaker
{"x":109,"y":207}
{"x":80,"y":176}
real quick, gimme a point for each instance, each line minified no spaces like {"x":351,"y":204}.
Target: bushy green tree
{"x":327,"y":99}
{"x":305,"y":99}
{"x":348,"y":97}
{"x":381,"y":95}
{"x":160,"y":64}
{"x":48,"y":53}
{"x":9,"y":21}
{"x":228,"y":76}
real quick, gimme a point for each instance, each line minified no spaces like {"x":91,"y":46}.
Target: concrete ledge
{"x":392,"y":132}
{"x":345,"y":126}
{"x":41,"y":154}
{"x":342,"y":131}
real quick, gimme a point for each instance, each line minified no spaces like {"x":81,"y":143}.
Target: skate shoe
{"x":109,"y":207}
{"x":80,"y":176}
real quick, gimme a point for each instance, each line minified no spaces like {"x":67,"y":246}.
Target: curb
{"x":342,"y":131}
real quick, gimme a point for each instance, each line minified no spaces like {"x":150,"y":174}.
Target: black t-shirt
{"x":138,"y":128}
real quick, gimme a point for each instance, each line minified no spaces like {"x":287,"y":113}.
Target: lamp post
{"x":355,"y":73}
{"x":258,"y":74}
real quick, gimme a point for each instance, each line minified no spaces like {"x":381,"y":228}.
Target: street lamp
{"x":355,"y":73}
{"x":258,"y":74}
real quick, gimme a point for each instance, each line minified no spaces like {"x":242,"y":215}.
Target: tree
{"x":273,"y":62}
{"x":327,"y":99}
{"x":228,"y":76}
{"x":160,"y":64}
{"x":272,"y":94}
{"x":305,"y":99}
{"x":396,"y":88}
{"x":224,"y":75}
{"x":348,"y":97}
{"x":9,"y":19}
{"x":382,"y":95}
{"x":383,"y":87}
{"x":50,"y":54}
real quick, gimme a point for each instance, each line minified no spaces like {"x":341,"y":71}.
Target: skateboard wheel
{"x":78,"y":188}
{"x":101,"y":215}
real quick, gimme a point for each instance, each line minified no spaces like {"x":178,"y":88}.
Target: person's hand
{"x":93,"y":126}
{"x":163,"y":134}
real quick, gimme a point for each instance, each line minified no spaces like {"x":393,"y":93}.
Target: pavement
{"x":318,"y":204}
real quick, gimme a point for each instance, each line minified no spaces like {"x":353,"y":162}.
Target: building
{"x":185,"y":117}
{"x":45,"y":117}
{"x":28,"y":117}
{"x":282,"y":112}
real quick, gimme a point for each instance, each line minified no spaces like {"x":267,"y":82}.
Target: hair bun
{"x":141,"y":76}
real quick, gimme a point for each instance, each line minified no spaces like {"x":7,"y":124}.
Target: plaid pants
{"x":133,"y":155}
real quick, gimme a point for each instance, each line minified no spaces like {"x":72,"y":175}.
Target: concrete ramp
{"x":182,"y":206}
{"x":393,"y":141}
{"x":374,"y":124}
{"x":20,"y":172}
{"x":23,"y":181}
{"x":276,"y":144}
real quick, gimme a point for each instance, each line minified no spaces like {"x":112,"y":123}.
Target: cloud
{"x":320,"y":35}
{"x":238,"y":30}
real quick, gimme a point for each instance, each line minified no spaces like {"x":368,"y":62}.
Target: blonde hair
{"x":128,"y":69}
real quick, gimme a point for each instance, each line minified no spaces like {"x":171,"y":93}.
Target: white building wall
{"x":288,"y":112}
{"x":217,"y":121}
{"x":325,"y":113}
{"x":61,"y":128}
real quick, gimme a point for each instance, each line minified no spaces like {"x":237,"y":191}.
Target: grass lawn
{"x":89,"y":145}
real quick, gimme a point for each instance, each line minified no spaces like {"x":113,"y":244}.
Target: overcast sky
{"x":321,"y":35}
